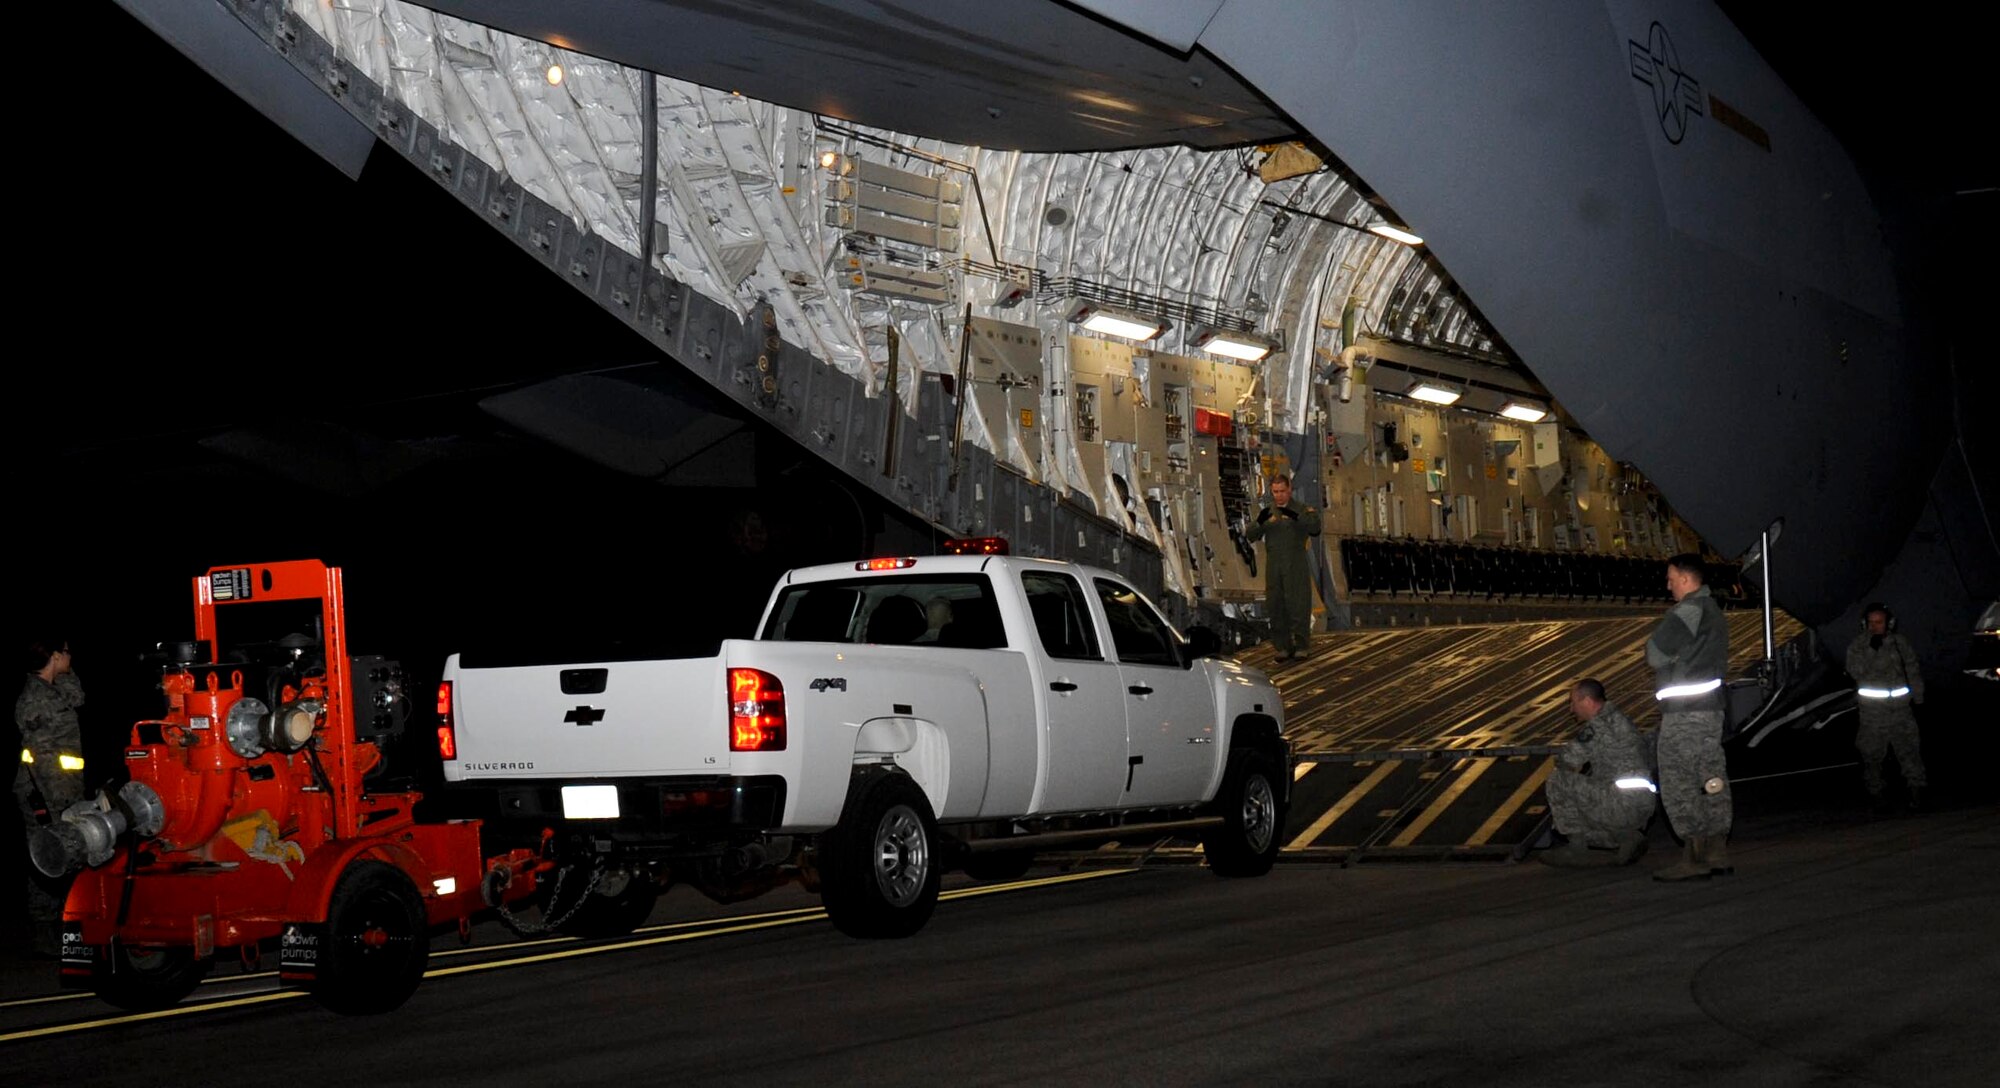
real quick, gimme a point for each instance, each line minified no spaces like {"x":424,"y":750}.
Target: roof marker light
{"x":897,"y":563}
{"x":976,"y":545}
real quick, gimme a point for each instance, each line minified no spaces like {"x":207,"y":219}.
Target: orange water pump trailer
{"x":249,"y":818}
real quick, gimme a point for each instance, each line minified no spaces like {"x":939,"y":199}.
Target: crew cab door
{"x":1084,"y":695}
{"x":1169,"y":708}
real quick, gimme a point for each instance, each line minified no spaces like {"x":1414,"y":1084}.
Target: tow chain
{"x":521,"y":927}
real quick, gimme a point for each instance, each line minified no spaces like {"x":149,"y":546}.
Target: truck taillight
{"x":447,"y":739}
{"x":756,"y":711}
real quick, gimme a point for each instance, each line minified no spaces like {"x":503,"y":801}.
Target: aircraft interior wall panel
{"x":1003,"y":512}
{"x":863,"y":445}
{"x":966,"y":503}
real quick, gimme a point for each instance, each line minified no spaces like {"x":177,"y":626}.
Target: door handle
{"x":1140,"y":689}
{"x":1061,"y":685}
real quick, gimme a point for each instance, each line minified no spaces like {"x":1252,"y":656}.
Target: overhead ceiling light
{"x":1432,"y":394}
{"x":1124,"y":323}
{"x":1394,"y":233}
{"x":1524,"y":411}
{"x":1248,"y":347}
{"x":554,"y":75}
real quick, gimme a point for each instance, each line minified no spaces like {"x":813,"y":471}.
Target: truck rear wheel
{"x":378,"y":941}
{"x":879,"y":866}
{"x":1253,"y":818}
{"x":142,"y":979}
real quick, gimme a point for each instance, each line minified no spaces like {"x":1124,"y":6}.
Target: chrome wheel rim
{"x":902,"y":856}
{"x":1260,"y":813}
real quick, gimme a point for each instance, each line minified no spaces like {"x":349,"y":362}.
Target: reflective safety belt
{"x":63,"y":760}
{"x":1636,"y":784}
{"x":1882,"y":693}
{"x":1677,"y":691}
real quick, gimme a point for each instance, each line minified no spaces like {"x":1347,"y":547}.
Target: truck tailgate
{"x":602,"y":719}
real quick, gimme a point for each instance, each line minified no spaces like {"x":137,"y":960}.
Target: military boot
{"x":1574,"y":855}
{"x":1630,"y":846}
{"x":1690,"y":867}
{"x":1916,"y":798}
{"x":1713,"y":852}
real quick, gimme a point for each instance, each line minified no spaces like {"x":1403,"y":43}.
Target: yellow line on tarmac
{"x":713,"y":928}
{"x":160,"y":1014}
{"x":1437,"y":807}
{"x":1513,"y":804}
{"x":1340,"y":808}
{"x":468,"y":950}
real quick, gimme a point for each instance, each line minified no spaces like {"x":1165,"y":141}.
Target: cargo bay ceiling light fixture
{"x":1110,"y":322}
{"x":1249,"y":347}
{"x":1525,"y":411}
{"x":1433,"y":393}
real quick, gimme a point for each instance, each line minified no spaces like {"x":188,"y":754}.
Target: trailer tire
{"x":879,"y":866}
{"x":147,"y":978}
{"x":1253,"y":817}
{"x":612,"y":915}
{"x":378,"y":941}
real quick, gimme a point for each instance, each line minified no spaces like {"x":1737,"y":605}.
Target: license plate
{"x":590,"y":802}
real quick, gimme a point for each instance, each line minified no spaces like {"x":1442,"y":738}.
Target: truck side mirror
{"x":1202,"y":642}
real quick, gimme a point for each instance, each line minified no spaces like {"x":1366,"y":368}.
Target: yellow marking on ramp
{"x":1437,"y":807}
{"x":1340,"y":807}
{"x":1519,"y":797}
{"x":1303,"y":769}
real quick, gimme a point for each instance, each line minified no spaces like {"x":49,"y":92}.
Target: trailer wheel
{"x":143,"y":979}
{"x":998,"y":865}
{"x":879,"y":866}
{"x":378,"y":941}
{"x":613,"y":915}
{"x":1253,"y":817}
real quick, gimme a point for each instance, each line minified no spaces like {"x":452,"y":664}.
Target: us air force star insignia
{"x":1676,"y":95}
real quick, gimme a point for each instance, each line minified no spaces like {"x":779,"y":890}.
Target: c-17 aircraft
{"x":1601,"y":258}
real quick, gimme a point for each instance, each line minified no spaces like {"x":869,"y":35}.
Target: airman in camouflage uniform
{"x":51,"y":766}
{"x":1601,"y":793}
{"x":1887,"y":683}
{"x":1689,"y":653}
{"x":1287,"y":528}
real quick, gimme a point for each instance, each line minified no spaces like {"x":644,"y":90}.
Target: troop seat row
{"x":1426,"y":568}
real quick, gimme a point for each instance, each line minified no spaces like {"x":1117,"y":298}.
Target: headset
{"x":1875,"y":607}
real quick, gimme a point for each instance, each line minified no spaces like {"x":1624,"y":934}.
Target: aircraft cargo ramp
{"x":1434,"y":742}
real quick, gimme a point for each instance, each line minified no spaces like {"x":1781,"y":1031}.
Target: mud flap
{"x":75,"y":958}
{"x":299,"y":951}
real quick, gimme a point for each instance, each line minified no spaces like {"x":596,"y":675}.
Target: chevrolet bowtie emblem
{"x":584,"y":715}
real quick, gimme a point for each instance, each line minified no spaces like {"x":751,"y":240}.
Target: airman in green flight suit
{"x":1287,"y":527}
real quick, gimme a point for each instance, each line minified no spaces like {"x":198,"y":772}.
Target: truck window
{"x":1062,"y":621}
{"x":1141,"y":636}
{"x":899,"y":610}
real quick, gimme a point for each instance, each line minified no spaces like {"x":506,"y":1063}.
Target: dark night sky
{"x":184,"y":297}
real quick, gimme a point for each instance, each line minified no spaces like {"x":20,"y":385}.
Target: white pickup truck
{"x":894,"y":718}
